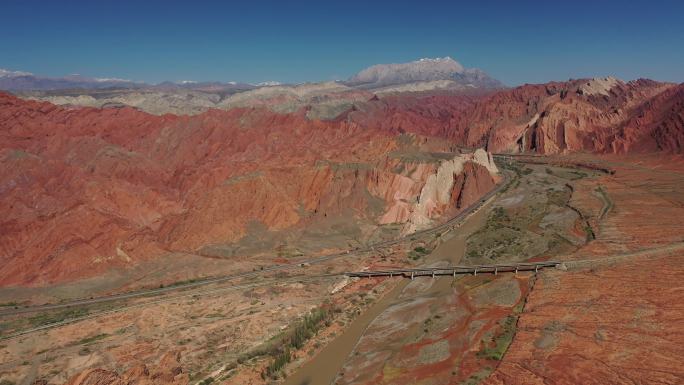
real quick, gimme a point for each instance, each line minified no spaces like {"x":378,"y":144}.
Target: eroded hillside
{"x":88,"y":190}
{"x":592,"y":115}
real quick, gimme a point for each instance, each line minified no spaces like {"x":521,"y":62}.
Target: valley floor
{"x":615,"y":317}
{"x":615,"y":320}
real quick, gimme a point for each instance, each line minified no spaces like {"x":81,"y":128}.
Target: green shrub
{"x":282,"y":359}
{"x":94,"y":338}
{"x":47,"y":318}
{"x":302,"y":332}
{"x":501,"y":341}
{"x":420,"y":249}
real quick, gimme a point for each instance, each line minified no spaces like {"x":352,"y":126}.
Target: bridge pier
{"x":433,"y":274}
{"x":411,"y":276}
{"x":496,"y":271}
{"x":475,"y":272}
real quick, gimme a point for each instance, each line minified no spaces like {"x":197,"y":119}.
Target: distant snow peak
{"x":187,"y":82}
{"x":113,"y":80}
{"x":269,"y":83}
{"x":12,"y":74}
{"x":437,"y":59}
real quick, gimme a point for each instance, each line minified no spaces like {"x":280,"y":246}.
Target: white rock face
{"x":599,"y":86}
{"x":485,"y":159}
{"x":437,"y":190}
{"x":435,"y":195}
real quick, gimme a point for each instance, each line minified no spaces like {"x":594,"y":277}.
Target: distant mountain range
{"x":26,"y":81}
{"x":19,"y":80}
{"x":448,"y":71}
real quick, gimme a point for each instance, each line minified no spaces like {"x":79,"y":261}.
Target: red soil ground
{"x":619,"y":321}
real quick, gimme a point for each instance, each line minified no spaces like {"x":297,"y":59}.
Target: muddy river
{"x":324,"y":367}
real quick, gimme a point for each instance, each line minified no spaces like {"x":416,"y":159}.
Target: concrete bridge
{"x":455,"y":270}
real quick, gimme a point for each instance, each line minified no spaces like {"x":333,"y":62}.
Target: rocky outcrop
{"x":585,"y":116}
{"x":658,"y":125}
{"x":428,"y":191}
{"x":167,"y":372}
{"x":452,"y":186}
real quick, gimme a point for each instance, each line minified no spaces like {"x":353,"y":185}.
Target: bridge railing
{"x":454,"y":270}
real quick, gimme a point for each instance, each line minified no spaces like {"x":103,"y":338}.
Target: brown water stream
{"x":324,"y":367}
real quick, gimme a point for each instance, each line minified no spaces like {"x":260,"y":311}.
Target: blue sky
{"x":515,"y":41}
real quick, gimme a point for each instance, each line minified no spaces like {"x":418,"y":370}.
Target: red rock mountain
{"x":85,"y":190}
{"x":596,"y":115}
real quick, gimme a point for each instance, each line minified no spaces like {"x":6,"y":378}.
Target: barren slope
{"x":87,"y":190}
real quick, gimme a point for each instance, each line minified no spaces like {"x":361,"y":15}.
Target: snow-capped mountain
{"x":11,"y":74}
{"x":421,"y":71}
